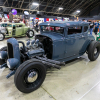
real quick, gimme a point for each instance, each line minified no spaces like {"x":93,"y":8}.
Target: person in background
{"x":33,"y":22}
{"x":91,"y":27}
{"x":83,"y":20}
{"x":39,"y":21}
{"x":36,"y":23}
{"x":99,"y":26}
{"x":10,"y":17}
{"x":21,"y":20}
{"x":27,"y":23}
{"x":96,"y":27}
{"x":36,"y":26}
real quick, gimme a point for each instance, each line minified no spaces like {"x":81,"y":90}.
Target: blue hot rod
{"x":58,"y":42}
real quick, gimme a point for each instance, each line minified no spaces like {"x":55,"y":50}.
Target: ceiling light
{"x":78,"y":11}
{"x":60,"y":8}
{"x":35,"y":4}
{"x":26,"y":12}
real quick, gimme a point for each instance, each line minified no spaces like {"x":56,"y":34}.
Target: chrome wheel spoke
{"x":32,"y":76}
{"x":31,"y":33}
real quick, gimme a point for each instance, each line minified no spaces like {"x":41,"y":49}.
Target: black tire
{"x":23,"y":71}
{"x":2,"y":61}
{"x":92,"y":54}
{"x":2,"y":36}
{"x":30,"y":33}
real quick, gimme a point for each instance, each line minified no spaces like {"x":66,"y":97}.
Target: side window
{"x":59,"y":30}
{"x":9,"y":25}
{"x":74,"y":30}
{"x":56,"y":29}
{"x":2,"y":25}
{"x":14,"y":26}
{"x":85,"y":28}
{"x":20,"y":25}
{"x":5,"y":25}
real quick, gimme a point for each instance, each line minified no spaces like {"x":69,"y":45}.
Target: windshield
{"x":3,"y":25}
{"x":9,"y":25}
{"x":52,"y":29}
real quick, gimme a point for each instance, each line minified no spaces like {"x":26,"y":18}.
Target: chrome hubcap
{"x":1,"y":37}
{"x":95,"y":51}
{"x":32,"y":77}
{"x":31,"y":33}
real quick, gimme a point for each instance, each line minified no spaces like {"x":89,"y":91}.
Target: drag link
{"x":51,"y":61}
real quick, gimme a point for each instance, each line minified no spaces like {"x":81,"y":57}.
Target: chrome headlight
{"x":97,"y":35}
{"x":0,"y":56}
{"x":8,"y":64}
{"x":13,"y":63}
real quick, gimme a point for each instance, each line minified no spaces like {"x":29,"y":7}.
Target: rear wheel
{"x":29,"y":76}
{"x":2,"y":61}
{"x":94,"y":50}
{"x":2,"y":36}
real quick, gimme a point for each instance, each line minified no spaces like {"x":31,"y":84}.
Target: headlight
{"x":3,"y":54}
{"x":97,"y":35}
{"x":0,"y":56}
{"x":13,"y":63}
{"x":8,"y":64}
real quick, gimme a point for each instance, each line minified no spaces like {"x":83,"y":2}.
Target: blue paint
{"x":67,"y":47}
{"x":15,"y":45}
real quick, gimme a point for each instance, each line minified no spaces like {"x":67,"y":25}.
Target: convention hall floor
{"x":78,"y":80}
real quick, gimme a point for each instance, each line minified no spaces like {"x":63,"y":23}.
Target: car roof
{"x":65,"y":23}
{"x":3,"y":23}
{"x":16,"y":23}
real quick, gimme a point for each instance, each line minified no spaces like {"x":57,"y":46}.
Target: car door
{"x":80,"y":37}
{"x":19,"y":30}
{"x":84,"y":39}
{"x":70,"y":42}
{"x":74,"y":41}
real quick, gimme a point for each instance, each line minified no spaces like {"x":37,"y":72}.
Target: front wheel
{"x":30,"y":33}
{"x":2,"y":36}
{"x":29,"y":76}
{"x":94,"y":50}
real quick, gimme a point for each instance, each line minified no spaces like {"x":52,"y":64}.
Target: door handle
{"x":81,"y":37}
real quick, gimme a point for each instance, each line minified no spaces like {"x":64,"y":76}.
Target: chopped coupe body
{"x":68,"y":43}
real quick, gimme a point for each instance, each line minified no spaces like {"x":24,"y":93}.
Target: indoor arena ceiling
{"x":52,"y":7}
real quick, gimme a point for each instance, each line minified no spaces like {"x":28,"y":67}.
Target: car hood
{"x":53,"y":36}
